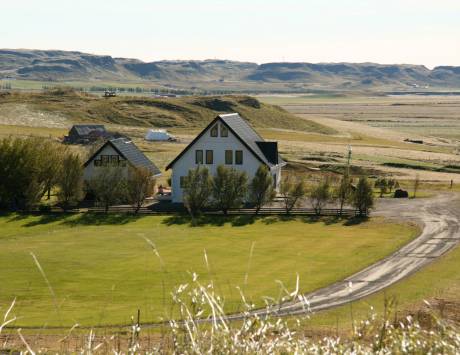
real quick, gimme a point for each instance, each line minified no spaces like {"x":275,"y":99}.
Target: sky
{"x":383,"y":31}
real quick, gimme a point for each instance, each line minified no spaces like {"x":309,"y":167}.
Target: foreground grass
{"x":102,"y":269}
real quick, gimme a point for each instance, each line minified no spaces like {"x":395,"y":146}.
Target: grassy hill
{"x":156,"y":112}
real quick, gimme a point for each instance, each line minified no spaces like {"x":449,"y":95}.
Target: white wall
{"x":219,"y":145}
{"x":90,"y":170}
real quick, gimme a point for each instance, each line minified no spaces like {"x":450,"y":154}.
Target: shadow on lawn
{"x":217,"y":221}
{"x":316,"y":219}
{"x":85,"y":219}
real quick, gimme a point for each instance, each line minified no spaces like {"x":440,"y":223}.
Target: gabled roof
{"x":266,"y":152}
{"x":85,"y":129}
{"x":128,"y":150}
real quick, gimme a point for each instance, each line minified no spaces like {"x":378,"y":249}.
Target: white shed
{"x":158,"y":135}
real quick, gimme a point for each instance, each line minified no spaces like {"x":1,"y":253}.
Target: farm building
{"x":121,"y":153}
{"x":158,"y":135}
{"x":84,"y":134}
{"x":228,"y":140}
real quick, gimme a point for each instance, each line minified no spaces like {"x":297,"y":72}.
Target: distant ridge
{"x":56,"y":65}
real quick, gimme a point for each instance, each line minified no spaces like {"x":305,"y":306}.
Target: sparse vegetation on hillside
{"x":190,"y":111}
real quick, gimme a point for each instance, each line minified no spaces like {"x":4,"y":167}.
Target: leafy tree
{"x":292,"y":190}
{"x":261,"y":189}
{"x":140,"y":185}
{"x":392,"y":184}
{"x":382,"y":185}
{"x":70,"y":181}
{"x":363,"y":197}
{"x":108,"y":186}
{"x":229,"y":188}
{"x":197,"y":190}
{"x":24,"y":171}
{"x":319,"y":196}
{"x":51,"y":156}
{"x":343,"y":191}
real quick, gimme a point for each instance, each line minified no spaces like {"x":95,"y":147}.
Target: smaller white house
{"x":158,"y":135}
{"x":121,"y":153}
{"x":228,"y":140}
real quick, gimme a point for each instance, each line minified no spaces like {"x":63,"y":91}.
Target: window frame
{"x":215,"y":129}
{"x":197,"y":161}
{"x":223,"y":128}
{"x":209,"y":154}
{"x":228,"y":157}
{"x":236,"y":157}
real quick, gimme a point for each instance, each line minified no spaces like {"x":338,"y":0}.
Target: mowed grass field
{"x":101,"y":269}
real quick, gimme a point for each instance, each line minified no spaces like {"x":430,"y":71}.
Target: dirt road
{"x":439,"y":218}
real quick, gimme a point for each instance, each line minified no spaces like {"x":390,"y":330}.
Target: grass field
{"x":102,"y":269}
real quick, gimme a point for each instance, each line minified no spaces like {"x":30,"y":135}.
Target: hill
{"x":190,"y":111}
{"x":53,"y":65}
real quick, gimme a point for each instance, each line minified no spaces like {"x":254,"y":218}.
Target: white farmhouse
{"x":228,"y":140}
{"x":121,"y":153}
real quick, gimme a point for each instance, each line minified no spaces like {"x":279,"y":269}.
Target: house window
{"x":229,"y":157}
{"x":223,"y":131}
{"x":109,"y":160}
{"x":198,"y":157}
{"x":183,"y":182}
{"x":209,"y":157}
{"x":239,"y":157}
{"x":214,"y":130}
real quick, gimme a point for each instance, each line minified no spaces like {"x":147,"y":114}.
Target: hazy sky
{"x":385,"y":31}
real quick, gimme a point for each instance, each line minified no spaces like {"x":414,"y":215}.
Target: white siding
{"x":91,"y":170}
{"x":218,"y":145}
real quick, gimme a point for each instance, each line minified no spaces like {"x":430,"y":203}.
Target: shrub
{"x":261,"y":189}
{"x":229,"y":188}
{"x":108,"y":186}
{"x":362,"y":197}
{"x":140,"y":185}
{"x":319,"y":196}
{"x":70,"y":181}
{"x":197,"y":190}
{"x":292,"y":190}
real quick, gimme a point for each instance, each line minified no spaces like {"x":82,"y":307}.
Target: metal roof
{"x":266,"y":152}
{"x":128,"y":150}
{"x":84,"y":130}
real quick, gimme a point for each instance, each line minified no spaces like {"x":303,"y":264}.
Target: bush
{"x":229,"y":188}
{"x":362,"y":197}
{"x":197,"y":190}
{"x":261,"y":189}
{"x":292,"y":190}
{"x":319,"y":196}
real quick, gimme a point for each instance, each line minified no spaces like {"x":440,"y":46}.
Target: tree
{"x":319,"y":196}
{"x":392,"y":184}
{"x":382,"y":185}
{"x":416,"y":184}
{"x":70,"y":181}
{"x":342,"y":192}
{"x":229,"y":188}
{"x":292,"y":190}
{"x":140,"y":185}
{"x":261,"y":189}
{"x":24,"y":171}
{"x":363,"y":197}
{"x":197,"y":190}
{"x":108,"y":186}
{"x":51,"y":156}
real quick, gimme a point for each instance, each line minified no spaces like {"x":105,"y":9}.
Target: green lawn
{"x":102,"y":269}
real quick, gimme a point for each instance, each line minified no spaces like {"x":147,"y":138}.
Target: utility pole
{"x":349,"y":159}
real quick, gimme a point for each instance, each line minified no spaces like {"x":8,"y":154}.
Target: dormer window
{"x":223,"y":131}
{"x":214,"y":130}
